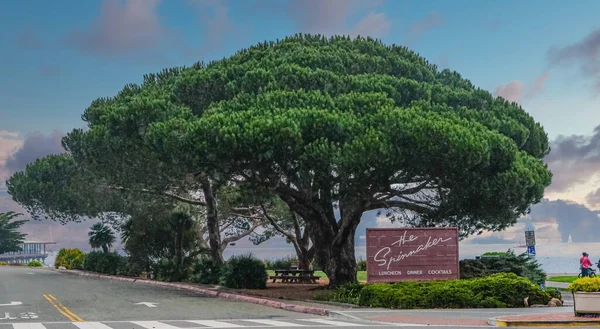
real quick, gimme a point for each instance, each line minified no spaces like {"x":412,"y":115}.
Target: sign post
{"x":530,"y":242}
{"x":412,"y":254}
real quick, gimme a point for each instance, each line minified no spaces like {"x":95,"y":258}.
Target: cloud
{"x":593,"y":198}
{"x":515,"y":91}
{"x":27,"y":38}
{"x":332,"y":17}
{"x":432,"y":20}
{"x":36,"y":145}
{"x":553,"y":222}
{"x":574,"y":160}
{"x":374,"y":24}
{"x":583,"y":54}
{"x":122,"y":28}
{"x":9,"y":143}
{"x":215,"y":20}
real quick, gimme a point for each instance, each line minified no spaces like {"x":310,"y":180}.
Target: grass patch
{"x":566,"y":278}
{"x":361,"y":275}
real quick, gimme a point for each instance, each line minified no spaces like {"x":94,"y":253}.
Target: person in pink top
{"x":586,"y":264}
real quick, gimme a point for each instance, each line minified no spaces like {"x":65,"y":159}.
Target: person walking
{"x":586,"y":264}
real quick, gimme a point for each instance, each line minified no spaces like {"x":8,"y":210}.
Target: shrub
{"x":70,"y":259}
{"x":169,"y":270}
{"x":101,"y":262}
{"x":495,"y":291}
{"x":521,"y":265}
{"x":585,"y":285}
{"x":35,"y":263}
{"x":554,"y":293}
{"x":3,"y":263}
{"x":244,"y":272}
{"x":127,"y":267}
{"x":361,"y":265}
{"x":206,"y":271}
{"x":282,"y":264}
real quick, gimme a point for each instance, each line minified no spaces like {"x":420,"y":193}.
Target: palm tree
{"x":101,"y":236}
{"x":10,"y":237}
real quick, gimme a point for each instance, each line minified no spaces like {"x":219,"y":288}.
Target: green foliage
{"x":3,"y":263}
{"x":10,"y":237}
{"x":206,"y":271}
{"x":280,"y":264}
{"x":361,"y":265}
{"x":244,"y":272}
{"x":70,"y":259}
{"x":495,"y":254}
{"x":554,"y":292}
{"x":495,"y":291}
{"x":585,"y":285}
{"x":101,"y":236}
{"x":127,"y":267}
{"x":521,"y":265}
{"x":101,"y":262}
{"x":172,"y":271}
{"x":35,"y":263}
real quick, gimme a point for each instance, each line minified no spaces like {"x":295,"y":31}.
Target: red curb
{"x":212,"y":293}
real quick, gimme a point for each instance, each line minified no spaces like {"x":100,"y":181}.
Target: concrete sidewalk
{"x":557,"y":320}
{"x":460,"y":318}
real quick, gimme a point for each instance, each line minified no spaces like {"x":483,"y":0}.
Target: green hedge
{"x":106,"y":263}
{"x":507,"y":262}
{"x":71,"y":259}
{"x":244,"y":272}
{"x":494,"y":291}
{"x":35,"y":263}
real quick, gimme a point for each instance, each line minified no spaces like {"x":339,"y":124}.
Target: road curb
{"x":499,"y":322}
{"x":208,"y":292}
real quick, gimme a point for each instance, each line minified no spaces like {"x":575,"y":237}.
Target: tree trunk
{"x":105,"y":248}
{"x":212,"y":223}
{"x":334,"y":245}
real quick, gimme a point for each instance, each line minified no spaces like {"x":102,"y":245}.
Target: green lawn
{"x":362,"y":275}
{"x":567,"y":278}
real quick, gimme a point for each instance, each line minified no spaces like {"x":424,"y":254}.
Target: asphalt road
{"x":42,"y":298}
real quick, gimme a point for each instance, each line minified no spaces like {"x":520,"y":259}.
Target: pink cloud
{"x":513,"y":91}
{"x":122,"y":27}
{"x":372,"y":25}
{"x":432,"y":20}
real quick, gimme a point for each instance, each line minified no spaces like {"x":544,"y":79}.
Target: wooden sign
{"x":412,"y":254}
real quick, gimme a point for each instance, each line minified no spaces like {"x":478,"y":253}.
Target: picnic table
{"x":294,"y":276}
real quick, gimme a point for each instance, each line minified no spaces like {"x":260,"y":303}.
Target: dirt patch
{"x":289,"y":291}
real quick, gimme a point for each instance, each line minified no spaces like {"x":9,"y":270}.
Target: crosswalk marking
{"x":215,"y":324}
{"x":154,"y":325}
{"x":28,"y":326}
{"x":91,"y":325}
{"x":275,"y":323}
{"x":197,"y":324}
{"x":333,"y":323}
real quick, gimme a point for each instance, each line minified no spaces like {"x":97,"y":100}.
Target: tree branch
{"x":164,"y":193}
{"x":225,"y":242}
{"x":386,"y":204}
{"x":276,"y":226}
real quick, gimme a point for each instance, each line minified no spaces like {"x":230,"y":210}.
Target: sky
{"x":58,"y":56}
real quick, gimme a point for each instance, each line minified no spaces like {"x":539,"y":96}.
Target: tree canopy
{"x":10,"y":237}
{"x":329,"y":126}
{"x":101,"y":236}
{"x":356,"y":124}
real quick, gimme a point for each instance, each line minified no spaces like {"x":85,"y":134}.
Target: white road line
{"x":154,"y":325}
{"x":334,"y":323}
{"x":28,"y":326}
{"x":275,"y":323}
{"x":91,"y":325}
{"x":215,"y":324}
